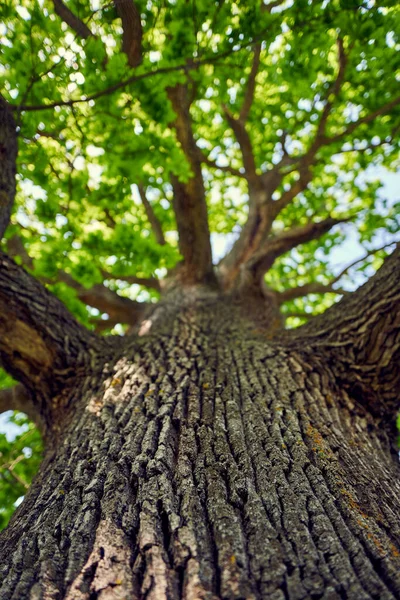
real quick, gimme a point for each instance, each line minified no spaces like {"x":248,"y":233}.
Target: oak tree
{"x":217,"y":401}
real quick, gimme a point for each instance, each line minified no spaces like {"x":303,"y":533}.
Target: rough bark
{"x":8,"y":155}
{"x":206,"y":461}
{"x":361,"y":335}
{"x":41,"y":344}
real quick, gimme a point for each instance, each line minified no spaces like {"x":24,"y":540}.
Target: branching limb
{"x":132,"y":30}
{"x":274,"y":247}
{"x":238,"y":125}
{"x":152,"y":217}
{"x":307,"y":161}
{"x":333,"y":93}
{"x":184,"y":67}
{"x":189,"y":200}
{"x":40,"y":341}
{"x":119,"y":309}
{"x":242,"y":135}
{"x":8,"y":155}
{"x":364,"y":120}
{"x":80,"y":28}
{"x":361,"y":337}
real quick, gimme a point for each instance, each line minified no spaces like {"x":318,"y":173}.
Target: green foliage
{"x":19,"y":461}
{"x":77,"y":207}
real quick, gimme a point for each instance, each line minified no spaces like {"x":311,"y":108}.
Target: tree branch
{"x":296,"y":189}
{"x":306,"y":162}
{"x":274,"y":247}
{"x":119,"y":309}
{"x":367,"y":119}
{"x":251,"y":85}
{"x":333,"y":93}
{"x":132,"y":30}
{"x":254,"y":181}
{"x":15,"y":247}
{"x":40,"y":341}
{"x":152,"y":217}
{"x":184,"y":67}
{"x":320,"y":288}
{"x":189,"y":200}
{"x":271,"y":5}
{"x":8,"y":156}
{"x":80,"y":28}
{"x":122,"y":310}
{"x":360,"y":338}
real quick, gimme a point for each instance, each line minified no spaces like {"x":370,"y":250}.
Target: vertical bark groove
{"x":207,"y":462}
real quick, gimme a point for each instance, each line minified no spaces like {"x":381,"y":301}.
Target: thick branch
{"x":120,"y":309}
{"x":40,"y":341}
{"x":361,"y":338}
{"x":152,"y":217}
{"x":274,"y":247}
{"x":8,"y":155}
{"x":72,"y":20}
{"x":189,"y":197}
{"x":132,"y":30}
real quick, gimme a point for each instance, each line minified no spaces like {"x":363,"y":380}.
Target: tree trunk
{"x":206,"y":461}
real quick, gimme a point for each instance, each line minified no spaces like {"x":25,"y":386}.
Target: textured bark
{"x":41,"y":344}
{"x":8,"y":155}
{"x":203,"y":460}
{"x":361,"y":334}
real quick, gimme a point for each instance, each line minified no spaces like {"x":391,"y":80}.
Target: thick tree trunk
{"x":205,"y":461}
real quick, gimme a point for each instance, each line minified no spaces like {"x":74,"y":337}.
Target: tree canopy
{"x":147,"y":129}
